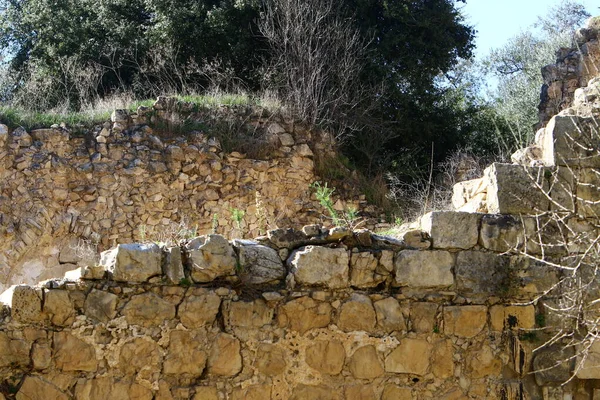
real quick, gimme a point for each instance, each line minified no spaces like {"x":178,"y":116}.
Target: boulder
{"x":225,"y":358}
{"x":514,"y":189}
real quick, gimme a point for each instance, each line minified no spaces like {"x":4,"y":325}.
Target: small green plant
{"x":528,"y":336}
{"x":436,"y":329}
{"x":185,"y":282}
{"x":215,"y":223}
{"x":237,"y":216}
{"x":142,"y":231}
{"x":323,"y":195}
{"x":540,"y":320}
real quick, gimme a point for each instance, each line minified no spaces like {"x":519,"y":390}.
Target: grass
{"x":14,"y":118}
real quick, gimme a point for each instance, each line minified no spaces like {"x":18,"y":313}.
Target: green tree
{"x":517,"y":67}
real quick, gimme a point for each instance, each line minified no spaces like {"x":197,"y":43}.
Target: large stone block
{"x":254,"y":314}
{"x":13,"y":352}
{"x":554,"y":365}
{"x":35,"y":388}
{"x":390,"y":315}
{"x":270,"y":359}
{"x":304,"y":314}
{"x":73,"y":354}
{"x":451,"y":229}
{"x":479,"y":272}
{"x":464,"y":321}
{"x":514,"y":189}
{"x":148,"y":310}
{"x":100,"y":305}
{"x":198,"y":310}
{"x":141,"y":354}
{"x":570,"y":140}
{"x":172,"y":265}
{"x":320,"y":266}
{"x":58,"y":307}
{"x":424,"y":269}
{"x":410,"y":357}
{"x":225,"y":358}
{"x":133,"y":262}
{"x":326,"y":356}
{"x":512,"y":317}
{"x":364,"y":272}
{"x":27,"y":304}
{"x":365,"y":363}
{"x":186,"y":353}
{"x":259,"y":264}
{"x":588,"y":193}
{"x":210,"y":257}
{"x":321,"y":392}
{"x":502,"y":233}
{"x":357,"y":314}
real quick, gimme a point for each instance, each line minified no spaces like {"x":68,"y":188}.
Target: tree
{"x":517,"y":67}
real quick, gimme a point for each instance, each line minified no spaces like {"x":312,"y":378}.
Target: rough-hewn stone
{"x":100,"y":305}
{"x":225,"y":358}
{"x":320,"y":266}
{"x":365,"y":363}
{"x":357,"y":314}
{"x":185,"y":354}
{"x":73,"y":354}
{"x":210,"y":257}
{"x":326,"y":356}
{"x":27,"y":304}
{"x":451,"y":229}
{"x":304,"y":314}
{"x":410,"y":357}
{"x":259,"y":264}
{"x":148,"y":309}
{"x":133,"y":262}
{"x":390,"y":315}
{"x":424,"y":269}
{"x":198,"y":310}
{"x":464,"y":321}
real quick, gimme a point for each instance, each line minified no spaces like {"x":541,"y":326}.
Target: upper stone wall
{"x":125,"y":180}
{"x":574,"y":68}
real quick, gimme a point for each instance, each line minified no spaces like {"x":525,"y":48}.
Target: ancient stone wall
{"x":574,"y":68}
{"x":124,"y":180}
{"x":311,"y":314}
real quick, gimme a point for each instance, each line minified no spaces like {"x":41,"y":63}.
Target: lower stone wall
{"x":312,"y":314}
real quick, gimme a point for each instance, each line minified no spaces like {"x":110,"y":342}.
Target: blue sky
{"x":498,"y":20}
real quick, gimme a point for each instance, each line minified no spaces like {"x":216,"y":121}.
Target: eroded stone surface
{"x":320,"y":266}
{"x":424,"y":269}
{"x":210,"y":257}
{"x":133,"y":262}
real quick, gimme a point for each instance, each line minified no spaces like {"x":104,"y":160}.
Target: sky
{"x":498,"y":20}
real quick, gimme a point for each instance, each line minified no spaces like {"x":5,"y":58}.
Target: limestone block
{"x":423,"y":317}
{"x":320,"y":266}
{"x":590,"y":367}
{"x":255,"y":314}
{"x":148,"y":309}
{"x":390,"y":316}
{"x":210,"y":257}
{"x":27,"y":304}
{"x":363,"y":268}
{"x":140,"y":354}
{"x":410,"y":357}
{"x":225,"y":358}
{"x":41,"y":356}
{"x":393,"y":392}
{"x":304,"y":314}
{"x":172,"y":265}
{"x":73,"y":354}
{"x":571,"y":141}
{"x":58,"y":307}
{"x":479,"y":272}
{"x":470,"y":196}
{"x":414,"y":239}
{"x":365,"y":363}
{"x":502,"y":233}
{"x":35,"y":388}
{"x":197,"y":311}
{"x":108,"y":388}
{"x":553,"y":365}
{"x":588,"y":192}
{"x":442,"y":363}
{"x":357,"y":314}
{"x":483,"y":363}
{"x":451,"y":229}
{"x":100,"y":305}
{"x":360,"y":392}
{"x":321,"y":392}
{"x":513,"y":189}
{"x":512,"y":317}
{"x":206,"y":393}
{"x":133,"y":262}
{"x":287,"y":238}
{"x":185,"y":354}
{"x":13,"y":352}
{"x":253,"y":392}
{"x":270,"y":359}
{"x":259,"y":264}
{"x":424,"y":269}
{"x":326,"y":356}
{"x":464,"y":321}
{"x":532,"y":277}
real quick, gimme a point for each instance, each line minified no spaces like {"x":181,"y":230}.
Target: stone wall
{"x":574,"y":68}
{"x":124,"y":180}
{"x":311,"y":314}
